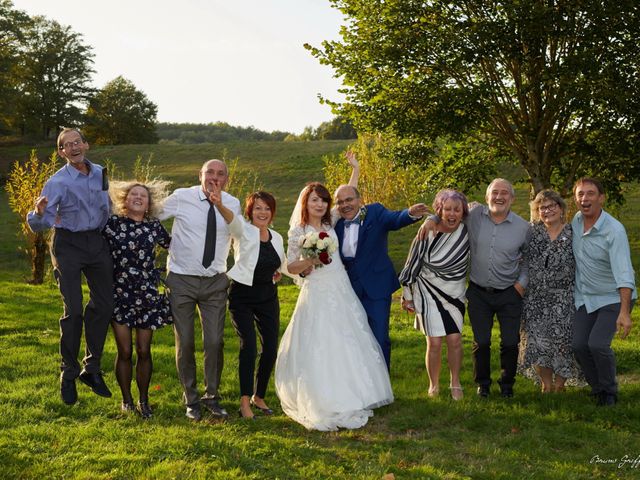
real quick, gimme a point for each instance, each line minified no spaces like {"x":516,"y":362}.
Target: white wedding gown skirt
{"x":330,"y":372}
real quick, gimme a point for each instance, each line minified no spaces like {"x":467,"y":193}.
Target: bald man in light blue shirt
{"x":605,"y":289}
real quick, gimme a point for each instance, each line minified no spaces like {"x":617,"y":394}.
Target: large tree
{"x":56,"y":78}
{"x":120,"y":113}
{"x":553,"y":84}
{"x":12,"y":45}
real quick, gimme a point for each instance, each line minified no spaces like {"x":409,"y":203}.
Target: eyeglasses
{"x":548,"y":208}
{"x":66,"y":145}
{"x":346,"y":200}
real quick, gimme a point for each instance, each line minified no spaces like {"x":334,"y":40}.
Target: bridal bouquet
{"x":318,"y":245}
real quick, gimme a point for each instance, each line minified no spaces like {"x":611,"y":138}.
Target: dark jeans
{"x":507,"y":306}
{"x":592,"y":336}
{"x":266,"y":316}
{"x":74,"y":254}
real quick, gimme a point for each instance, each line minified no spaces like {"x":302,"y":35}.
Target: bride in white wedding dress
{"x":330,"y":371}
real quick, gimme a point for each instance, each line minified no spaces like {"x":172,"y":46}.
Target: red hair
{"x":266,"y":197}
{"x":324,"y":194}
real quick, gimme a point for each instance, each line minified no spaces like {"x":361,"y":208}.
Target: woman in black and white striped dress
{"x":434,"y":282}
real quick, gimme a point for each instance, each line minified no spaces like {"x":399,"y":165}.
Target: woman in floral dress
{"x":133,"y":234}
{"x":548,"y":309}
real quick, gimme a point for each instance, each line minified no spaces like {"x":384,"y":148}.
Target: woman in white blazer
{"x":253,"y":295}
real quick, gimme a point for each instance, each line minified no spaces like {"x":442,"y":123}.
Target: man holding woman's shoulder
{"x":498,"y":239}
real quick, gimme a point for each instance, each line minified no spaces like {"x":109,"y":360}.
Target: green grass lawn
{"x":530,"y":436}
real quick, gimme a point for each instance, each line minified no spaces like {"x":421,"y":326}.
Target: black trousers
{"x":507,"y":306}
{"x":74,"y":254}
{"x":266,"y":316}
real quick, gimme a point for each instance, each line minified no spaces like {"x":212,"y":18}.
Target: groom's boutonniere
{"x":362,"y":214}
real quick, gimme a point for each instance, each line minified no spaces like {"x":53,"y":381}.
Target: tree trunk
{"x":38,"y":258}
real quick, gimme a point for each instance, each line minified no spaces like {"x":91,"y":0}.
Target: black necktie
{"x":210,"y":239}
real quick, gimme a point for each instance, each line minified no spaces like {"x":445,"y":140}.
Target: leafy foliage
{"x":553,"y":84}
{"x":380,"y":179}
{"x":12,"y":25}
{"x":24,"y":185}
{"x":120,"y":114}
{"x":337,"y":129}
{"x":55,"y":77}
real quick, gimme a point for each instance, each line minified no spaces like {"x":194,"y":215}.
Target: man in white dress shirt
{"x":197,"y":264}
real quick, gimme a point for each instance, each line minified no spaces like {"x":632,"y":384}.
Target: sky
{"x":200,"y":61}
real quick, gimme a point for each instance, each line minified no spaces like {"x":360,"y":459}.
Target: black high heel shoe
{"x":265,"y":411}
{"x":145,"y":410}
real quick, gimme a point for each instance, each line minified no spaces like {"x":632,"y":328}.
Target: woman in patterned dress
{"x":133,"y":234}
{"x":548,"y":308}
{"x":434,"y":281}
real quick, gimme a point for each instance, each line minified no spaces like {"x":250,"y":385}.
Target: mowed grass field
{"x":530,"y":436}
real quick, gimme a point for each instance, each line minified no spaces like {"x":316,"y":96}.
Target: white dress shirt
{"x":189,"y":208}
{"x":350,"y":238}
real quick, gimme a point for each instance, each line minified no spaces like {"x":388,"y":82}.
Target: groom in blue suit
{"x":362,"y":231}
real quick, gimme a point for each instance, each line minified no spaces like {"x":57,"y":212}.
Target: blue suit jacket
{"x":372,"y":269}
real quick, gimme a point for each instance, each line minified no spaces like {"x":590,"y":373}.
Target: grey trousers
{"x":592,"y":336}
{"x":209,"y":294}
{"x":74,"y":254}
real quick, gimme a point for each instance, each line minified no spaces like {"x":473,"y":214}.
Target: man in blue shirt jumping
{"x":75,"y":202}
{"x":605,"y":288}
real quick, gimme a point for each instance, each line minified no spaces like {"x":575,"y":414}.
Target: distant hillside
{"x":196,"y":133}
{"x":192,"y":133}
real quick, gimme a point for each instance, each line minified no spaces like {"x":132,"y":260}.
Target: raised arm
{"x":355,"y":168}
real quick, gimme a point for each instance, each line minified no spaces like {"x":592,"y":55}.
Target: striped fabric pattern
{"x":434,"y":276}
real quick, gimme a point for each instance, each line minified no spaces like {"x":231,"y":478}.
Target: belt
{"x":488,"y":289}
{"x":66,"y":231}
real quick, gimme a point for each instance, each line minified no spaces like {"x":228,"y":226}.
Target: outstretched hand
{"x":418,"y":210}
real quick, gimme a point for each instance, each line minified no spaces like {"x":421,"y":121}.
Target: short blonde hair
{"x":157,"y":190}
{"x":543,"y":195}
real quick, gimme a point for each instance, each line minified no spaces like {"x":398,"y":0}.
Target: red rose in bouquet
{"x":324,"y":258}
{"x":318,"y":245}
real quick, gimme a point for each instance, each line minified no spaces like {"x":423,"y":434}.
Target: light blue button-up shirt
{"x":603,"y":262}
{"x":76,"y":202}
